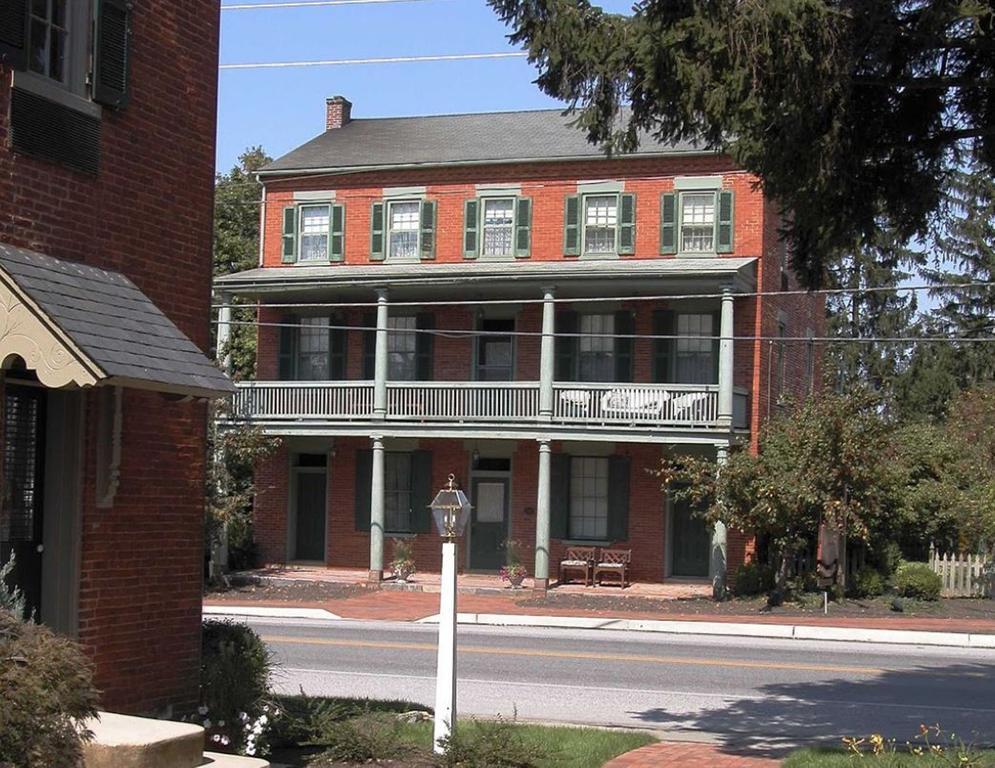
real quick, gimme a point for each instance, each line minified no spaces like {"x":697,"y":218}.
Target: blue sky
{"x":280,"y":109}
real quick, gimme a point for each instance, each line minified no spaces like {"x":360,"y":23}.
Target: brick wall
{"x":147,"y":214}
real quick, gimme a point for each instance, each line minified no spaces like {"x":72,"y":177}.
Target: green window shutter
{"x":723,"y":235}
{"x":625,"y":324}
{"x":559,"y":496}
{"x":290,"y":234}
{"x":668,"y":223}
{"x":421,"y":491}
{"x":111,"y":53}
{"x":471,"y":224}
{"x":336,"y":233}
{"x":571,"y":225}
{"x":565,"y":348}
{"x":618,"y":498}
{"x":364,"y":488}
{"x":627,"y":224}
{"x":14,"y":34}
{"x":289,"y":335}
{"x":377,"y":232}
{"x":663,"y":349}
{"x":716,"y":333}
{"x":523,"y":228}
{"x":369,"y":346}
{"x":424,"y":346}
{"x":337,"y":343}
{"x":428,"y":214}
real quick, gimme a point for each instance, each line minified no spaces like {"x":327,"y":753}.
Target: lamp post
{"x":450,"y":510}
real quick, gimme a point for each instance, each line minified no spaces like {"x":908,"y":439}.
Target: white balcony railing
{"x":461,"y":402}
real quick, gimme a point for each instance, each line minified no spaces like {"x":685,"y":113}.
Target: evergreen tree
{"x":849,"y":111}
{"x":236,"y":246}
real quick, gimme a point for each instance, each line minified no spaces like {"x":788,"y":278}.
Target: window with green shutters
{"x":497,"y":227}
{"x":602,"y":224}
{"x":697,"y":221}
{"x":312,"y":348}
{"x":407,"y":491}
{"x":590,"y":497}
{"x":403,"y":230}
{"x":313,"y":232}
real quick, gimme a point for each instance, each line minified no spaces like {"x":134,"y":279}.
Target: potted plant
{"x":403,"y":564}
{"x":513,"y":571}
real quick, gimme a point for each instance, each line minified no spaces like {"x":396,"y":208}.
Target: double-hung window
{"x":596,"y":348}
{"x":588,"y":498}
{"x":312,"y":349}
{"x":695,"y":349}
{"x":50,"y":28}
{"x":314,"y":228}
{"x":402,"y":348}
{"x":495,"y":351}
{"x":498,"y":224}
{"x":698,"y":222}
{"x":397,"y":492}
{"x":600,"y":223}
{"x":403,"y":222}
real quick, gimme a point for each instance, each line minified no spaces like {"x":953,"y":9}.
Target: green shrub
{"x":373,"y":736}
{"x":917,"y":581}
{"x":753,"y":579}
{"x":492,"y":744}
{"x":46,"y":686}
{"x":234,"y":687}
{"x":868,"y":583}
{"x":885,"y":556}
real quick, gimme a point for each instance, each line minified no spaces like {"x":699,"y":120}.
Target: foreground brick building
{"x":488,"y":296}
{"x":107,"y":124}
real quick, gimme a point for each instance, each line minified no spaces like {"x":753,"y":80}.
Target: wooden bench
{"x":578,"y":559}
{"x":614,"y":563}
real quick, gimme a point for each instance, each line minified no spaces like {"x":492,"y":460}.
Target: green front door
{"x":691,"y":543}
{"x":488,"y":523}
{"x":311,"y":495}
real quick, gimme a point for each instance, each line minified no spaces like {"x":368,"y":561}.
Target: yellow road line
{"x":619,"y":657}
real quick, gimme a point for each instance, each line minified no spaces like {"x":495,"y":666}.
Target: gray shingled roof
{"x":454,"y":139}
{"x":114,"y":324}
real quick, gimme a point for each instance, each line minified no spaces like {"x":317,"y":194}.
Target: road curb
{"x":257,"y":611}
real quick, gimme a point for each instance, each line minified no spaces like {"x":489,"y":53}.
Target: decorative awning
{"x":75,"y":325}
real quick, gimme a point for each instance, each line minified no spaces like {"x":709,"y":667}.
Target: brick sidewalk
{"x":687,"y":755}
{"x":389,"y":605}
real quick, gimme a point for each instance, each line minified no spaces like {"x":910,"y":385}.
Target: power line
{"x":309,"y":4}
{"x":384,"y":60}
{"x":474,"y":333}
{"x":594,"y":299}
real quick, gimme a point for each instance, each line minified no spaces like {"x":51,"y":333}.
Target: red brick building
{"x":488,"y":296}
{"x":107,"y":125}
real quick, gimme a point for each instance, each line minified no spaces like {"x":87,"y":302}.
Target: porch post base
{"x":374,"y":577}
{"x":540,"y":586}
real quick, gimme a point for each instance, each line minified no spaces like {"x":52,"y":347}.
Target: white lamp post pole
{"x":445,"y":683}
{"x":450,"y":509}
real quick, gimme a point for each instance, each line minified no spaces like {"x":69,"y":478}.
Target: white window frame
{"x":410,"y":337}
{"x":596,"y":343}
{"x":301,"y":234}
{"x":584,"y":226}
{"x":393,"y":496}
{"x":681,"y":200}
{"x":587,"y":502}
{"x":389,"y":229}
{"x":313,"y":325}
{"x":512,"y":228}
{"x":695,"y":346}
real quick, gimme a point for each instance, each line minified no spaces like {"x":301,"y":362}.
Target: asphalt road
{"x":751,"y":693}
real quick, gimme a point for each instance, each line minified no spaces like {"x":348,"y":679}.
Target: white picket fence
{"x":963,"y":575}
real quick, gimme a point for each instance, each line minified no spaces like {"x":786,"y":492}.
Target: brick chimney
{"x":338,"y":112}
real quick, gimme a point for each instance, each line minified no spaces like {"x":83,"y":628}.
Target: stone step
{"x":218,"y":760}
{"x":123,"y":741}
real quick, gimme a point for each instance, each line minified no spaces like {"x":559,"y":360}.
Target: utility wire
{"x":594,"y":299}
{"x":309,"y":4}
{"x":384,"y":60}
{"x":465,"y":333}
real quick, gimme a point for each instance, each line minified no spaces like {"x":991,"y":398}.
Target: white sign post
{"x":451,"y":510}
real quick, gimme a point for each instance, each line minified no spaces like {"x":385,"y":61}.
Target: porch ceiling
{"x":505,"y":279}
{"x":79,"y":325}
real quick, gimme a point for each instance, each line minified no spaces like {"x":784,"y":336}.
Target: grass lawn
{"x":835,"y":758}
{"x":560,"y":746}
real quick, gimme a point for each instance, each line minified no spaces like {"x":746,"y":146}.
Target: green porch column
{"x":542,"y":518}
{"x":717,"y":561}
{"x":726,"y":369}
{"x":546,"y":355}
{"x":380,"y":358}
{"x":377,"y":512}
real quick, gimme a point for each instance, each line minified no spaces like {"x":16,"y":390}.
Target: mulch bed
{"x":288,"y":590}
